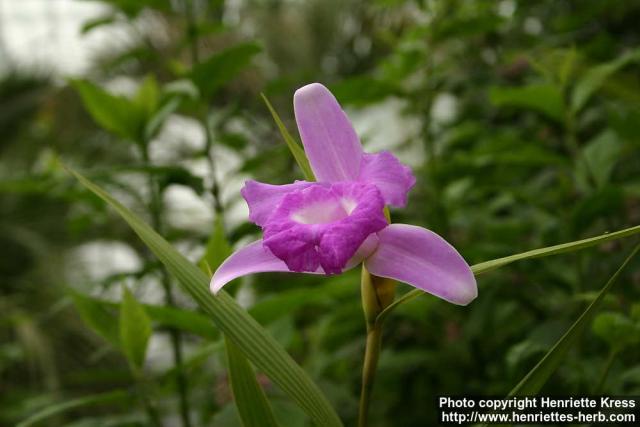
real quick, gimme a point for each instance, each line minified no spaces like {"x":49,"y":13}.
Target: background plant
{"x":520,"y":118}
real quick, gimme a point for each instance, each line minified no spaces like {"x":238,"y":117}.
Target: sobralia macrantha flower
{"x":338,"y":222}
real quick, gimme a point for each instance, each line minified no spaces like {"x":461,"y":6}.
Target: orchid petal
{"x":423,"y":259}
{"x":393,"y":179}
{"x":329,"y":140}
{"x":253,"y":258}
{"x":364,"y":251}
{"x":263,"y":199}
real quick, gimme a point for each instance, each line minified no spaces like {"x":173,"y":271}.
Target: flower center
{"x":325,"y":211}
{"x":323,"y":225}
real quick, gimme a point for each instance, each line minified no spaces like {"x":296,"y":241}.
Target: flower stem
{"x":155,"y":208}
{"x":377,"y":293}
{"x":371,"y":355}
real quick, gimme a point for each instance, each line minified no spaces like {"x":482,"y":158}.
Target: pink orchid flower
{"x":332,"y":225}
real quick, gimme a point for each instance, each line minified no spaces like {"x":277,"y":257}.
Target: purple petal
{"x":253,"y":258}
{"x":263,"y":199}
{"x":329,"y":140}
{"x":324,"y":225}
{"x":393,"y":179}
{"x":364,"y":251}
{"x":423,"y":259}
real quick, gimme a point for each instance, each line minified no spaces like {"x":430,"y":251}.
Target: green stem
{"x":215,"y":186}
{"x":150,"y":408}
{"x":192,"y":35}
{"x":155,"y":208}
{"x":371,"y":356}
{"x":605,"y":372}
{"x":192,"y":30}
{"x":377,"y":293}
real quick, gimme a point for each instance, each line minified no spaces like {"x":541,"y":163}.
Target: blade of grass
{"x":257,"y":345}
{"x":296,"y":150}
{"x":538,"y":376}
{"x":486,"y":266}
{"x":253,"y":406}
{"x":483,"y":267}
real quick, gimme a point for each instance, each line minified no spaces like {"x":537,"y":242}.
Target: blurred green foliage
{"x":521,"y":121}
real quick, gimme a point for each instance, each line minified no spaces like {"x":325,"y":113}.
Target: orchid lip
{"x":323,"y":225}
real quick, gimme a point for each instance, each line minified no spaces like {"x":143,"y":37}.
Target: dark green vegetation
{"x":522,"y":123}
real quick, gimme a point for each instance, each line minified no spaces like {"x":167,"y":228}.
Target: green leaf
{"x":114,"y":113}
{"x":617,"y":330}
{"x":162,"y":316}
{"x":538,"y":376}
{"x":98,"y":317}
{"x":220,"y":68}
{"x":543,"y":98}
{"x":187,"y":321}
{"x":96,"y":399}
{"x":486,"y":266}
{"x":92,"y":24}
{"x":253,"y":406}
{"x":217,"y":249}
{"x":596,"y":205}
{"x":135,"y":329}
{"x":483,"y":267}
{"x":147,"y":97}
{"x":600,"y":156}
{"x":258,"y":346}
{"x":156,"y":120}
{"x":595,"y":78}
{"x":133,"y":8}
{"x":296,"y":150}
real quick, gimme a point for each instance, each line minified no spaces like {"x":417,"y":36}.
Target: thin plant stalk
{"x":215,"y":186}
{"x":192,"y":36}
{"x":369,"y":367}
{"x":155,"y":209}
{"x":377,"y":293}
{"x":605,"y":372}
{"x":149,"y":405}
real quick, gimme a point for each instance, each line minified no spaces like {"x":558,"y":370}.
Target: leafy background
{"x":521,"y":121}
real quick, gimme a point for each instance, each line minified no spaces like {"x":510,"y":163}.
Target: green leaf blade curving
{"x":258,"y":346}
{"x":253,"y":406}
{"x":135,"y":330}
{"x":538,"y":376}
{"x":294,"y":147}
{"x":486,"y":266}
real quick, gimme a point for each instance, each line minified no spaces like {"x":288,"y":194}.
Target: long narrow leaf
{"x":259,"y":347}
{"x":135,"y":329}
{"x":294,"y":147}
{"x":252,"y":404}
{"x":483,"y":267}
{"x":538,"y":376}
{"x":96,"y":399}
